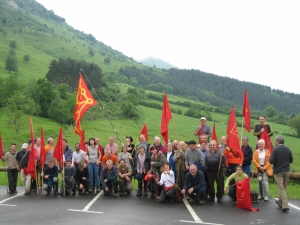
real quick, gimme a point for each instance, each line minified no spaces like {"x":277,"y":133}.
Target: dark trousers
{"x":85,"y":183}
{"x":232,"y":192}
{"x":201,"y":192}
{"x":111,"y":184}
{"x":212,"y":177}
{"x":181,"y":177}
{"x":142,"y":183}
{"x":167,"y":196}
{"x":12,"y":175}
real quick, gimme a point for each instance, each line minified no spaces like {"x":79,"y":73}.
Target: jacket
{"x":267,"y":167}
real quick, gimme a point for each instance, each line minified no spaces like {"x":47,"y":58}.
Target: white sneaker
{"x":266,"y":198}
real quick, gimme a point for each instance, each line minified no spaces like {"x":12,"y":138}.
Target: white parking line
{"x":10,"y":198}
{"x":194,"y":215}
{"x":7,"y":205}
{"x":296,"y":207}
{"x":86,"y":209}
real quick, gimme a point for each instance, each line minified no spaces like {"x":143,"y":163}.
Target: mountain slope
{"x":158,"y":63}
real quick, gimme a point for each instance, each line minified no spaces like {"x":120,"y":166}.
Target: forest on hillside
{"x":215,"y":90}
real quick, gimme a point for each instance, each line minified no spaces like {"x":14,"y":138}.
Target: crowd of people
{"x":166,"y":172}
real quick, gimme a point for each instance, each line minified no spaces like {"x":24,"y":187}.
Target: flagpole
{"x":242,"y":130}
{"x":42,"y":181}
{"x":36,"y":180}
{"x":5,"y":171}
{"x":102,"y":106}
{"x":64,"y":182}
{"x":174,"y":129}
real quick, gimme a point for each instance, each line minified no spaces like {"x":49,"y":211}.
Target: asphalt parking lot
{"x":96,"y":209}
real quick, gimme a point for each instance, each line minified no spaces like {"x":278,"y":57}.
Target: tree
{"x":107,"y":60}
{"x":26,"y":58}
{"x":295,"y":124}
{"x":270,"y":111}
{"x":12,"y":52}
{"x":129,"y":111}
{"x":13,"y":44}
{"x":59,"y":111}
{"x":133,"y":99}
{"x":91,"y":52}
{"x":11,"y":63}
{"x":18,"y":104}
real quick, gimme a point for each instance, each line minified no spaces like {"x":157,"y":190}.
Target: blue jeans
{"x":247,"y":169}
{"x":93,"y":174}
{"x":201,"y":191}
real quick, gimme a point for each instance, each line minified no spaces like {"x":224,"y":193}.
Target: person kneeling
{"x":69,"y":174}
{"x":50,"y":178}
{"x":125,"y":173}
{"x":168,"y":181}
{"x":237,"y":176}
{"x":82,"y":177}
{"x":109,"y":178}
{"x":195,"y":183}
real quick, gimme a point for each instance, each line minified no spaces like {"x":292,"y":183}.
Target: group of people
{"x":166,"y":171}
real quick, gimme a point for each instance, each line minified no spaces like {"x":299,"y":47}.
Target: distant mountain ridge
{"x":158,"y":63}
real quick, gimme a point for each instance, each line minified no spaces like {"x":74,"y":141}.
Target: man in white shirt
{"x":77,"y":156}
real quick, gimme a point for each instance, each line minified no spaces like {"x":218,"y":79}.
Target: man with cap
{"x":203,"y":129}
{"x":194,"y":156}
{"x":22,"y":159}
{"x":247,"y":151}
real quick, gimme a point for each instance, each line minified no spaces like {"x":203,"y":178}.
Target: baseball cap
{"x":203,"y":118}
{"x":24,"y":145}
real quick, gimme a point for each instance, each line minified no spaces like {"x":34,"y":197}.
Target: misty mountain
{"x":158,"y":63}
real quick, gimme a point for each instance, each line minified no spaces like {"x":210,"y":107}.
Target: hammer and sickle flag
{"x":84,"y":100}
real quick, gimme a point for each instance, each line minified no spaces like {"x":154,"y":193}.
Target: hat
{"x":131,"y":140}
{"x":203,"y":118}
{"x":24,"y":145}
{"x":192,"y":142}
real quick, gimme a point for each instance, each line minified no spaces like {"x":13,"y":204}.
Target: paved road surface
{"x":98,"y":209}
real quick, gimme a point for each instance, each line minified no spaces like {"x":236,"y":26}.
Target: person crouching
{"x":168,"y":181}
{"x":109,"y":179}
{"x":50,"y":178}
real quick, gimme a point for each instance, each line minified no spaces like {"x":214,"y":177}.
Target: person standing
{"x":22,"y":159}
{"x":203,"y":129}
{"x":144,"y":143}
{"x":112,"y":146}
{"x":260,"y":127}
{"x":281,"y":159}
{"x":142,"y":166}
{"x":214,"y":172}
{"x":77,"y":156}
{"x":12,"y":172}
{"x":179,"y":159}
{"x":247,"y":152}
{"x":194,"y":156}
{"x":263,"y":168}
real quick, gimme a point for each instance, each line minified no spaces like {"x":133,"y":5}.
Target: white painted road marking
{"x":86,"y":209}
{"x":7,"y":205}
{"x":10,"y":198}
{"x":194,"y":215}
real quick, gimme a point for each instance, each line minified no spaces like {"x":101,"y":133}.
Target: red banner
{"x":59,"y":151}
{"x":165,"y":118}
{"x":243,"y":195}
{"x":214,"y":135}
{"x":246,"y":112}
{"x":268,"y":144}
{"x":144,"y":131}
{"x":42,"y":151}
{"x":31,"y":161}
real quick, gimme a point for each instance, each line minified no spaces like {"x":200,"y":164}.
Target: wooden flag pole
{"x":242,"y":130}
{"x":64,"y":180}
{"x":174,"y":130}
{"x":36,"y":180}
{"x":42,"y":181}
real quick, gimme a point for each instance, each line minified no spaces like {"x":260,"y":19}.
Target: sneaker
{"x":90,"y":189}
{"x":285,"y":209}
{"x":201,"y":202}
{"x":139,"y":193}
{"x":157,"y":198}
{"x":278,"y":204}
{"x":145,"y":193}
{"x":87,"y":192}
{"x":97,"y":189}
{"x":15,"y":191}
{"x":74,"y":193}
{"x":26,"y":193}
{"x":266,"y":198}
{"x":219,"y":200}
{"x":211,"y":199}
{"x":121,"y":193}
{"x":115,"y":195}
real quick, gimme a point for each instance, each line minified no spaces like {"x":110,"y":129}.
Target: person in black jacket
{"x":142,"y":166}
{"x":195,"y":183}
{"x":51,"y":177}
{"x":248,"y":153}
{"x":281,"y":159}
{"x":82,"y":177}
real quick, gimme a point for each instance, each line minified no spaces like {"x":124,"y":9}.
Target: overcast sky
{"x":257,"y":41}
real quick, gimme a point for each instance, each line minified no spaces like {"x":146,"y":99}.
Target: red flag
{"x":214,"y":135}
{"x":58,"y":151}
{"x":31,"y":161}
{"x":165,"y":118}
{"x":82,"y":147}
{"x":243,"y":195}
{"x":1,"y":146}
{"x":84,"y":100}
{"x":144,"y":131}
{"x":233,"y":136}
{"x":246,"y":112}
{"x":42,"y":151}
{"x":268,"y":144}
